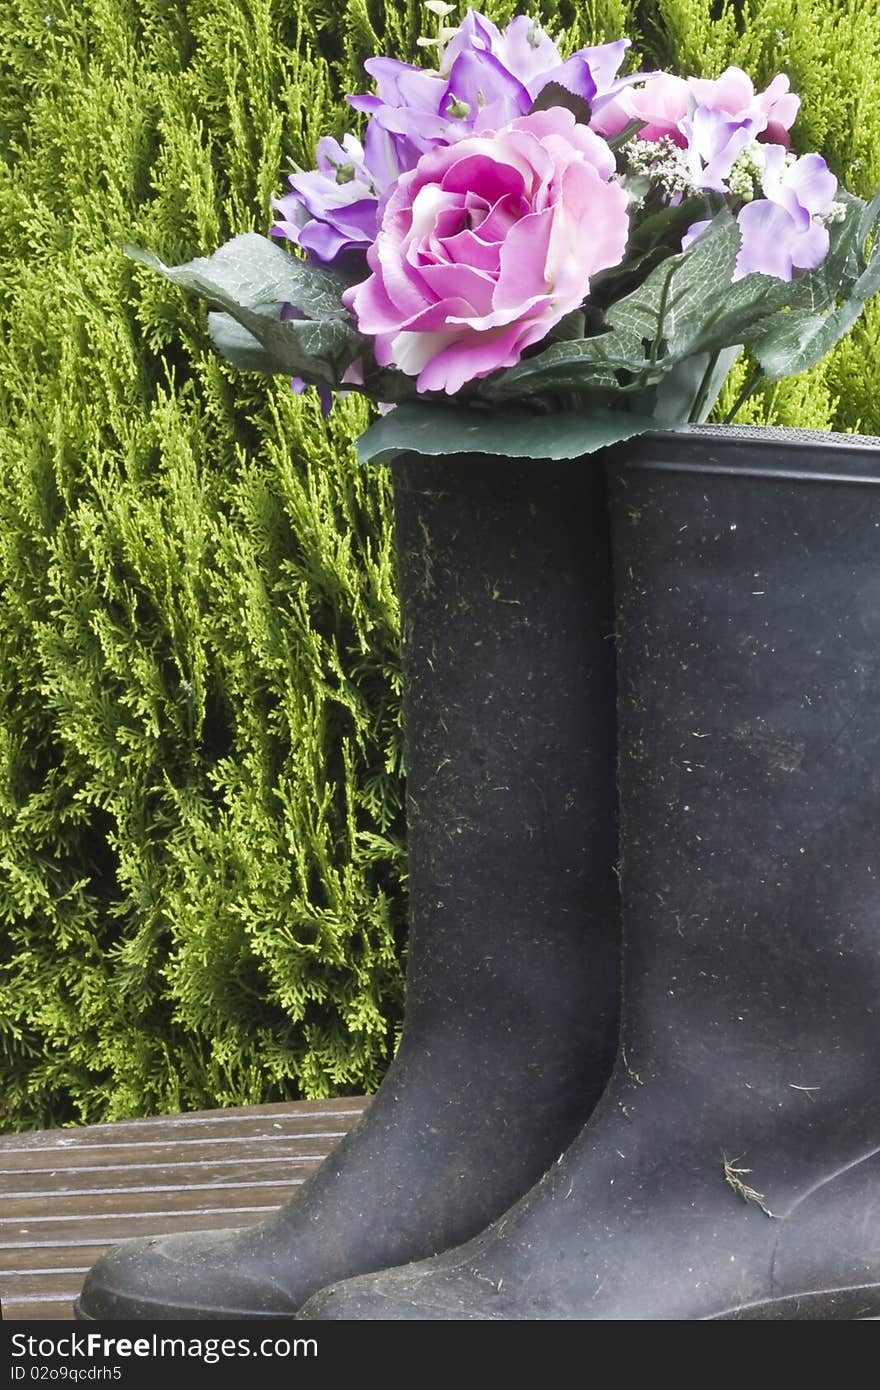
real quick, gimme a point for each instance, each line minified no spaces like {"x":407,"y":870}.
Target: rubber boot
{"x":512,"y":989}
{"x":732,"y":1168}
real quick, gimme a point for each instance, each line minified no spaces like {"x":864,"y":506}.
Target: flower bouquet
{"x":543,"y":251}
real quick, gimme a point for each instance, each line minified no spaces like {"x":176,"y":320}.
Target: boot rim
{"x":754,"y":451}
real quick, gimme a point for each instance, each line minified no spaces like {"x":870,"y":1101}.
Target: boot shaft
{"x":509,"y":719}
{"x":748,"y":621}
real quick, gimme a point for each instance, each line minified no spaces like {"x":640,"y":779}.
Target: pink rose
{"x":486,"y":245}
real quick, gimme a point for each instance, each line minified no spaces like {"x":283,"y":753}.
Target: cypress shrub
{"x":202,"y":867}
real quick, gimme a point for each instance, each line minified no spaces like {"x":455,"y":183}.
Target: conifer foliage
{"x":202,"y":868}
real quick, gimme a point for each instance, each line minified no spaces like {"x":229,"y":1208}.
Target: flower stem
{"x":700,"y":401}
{"x":751,"y":386}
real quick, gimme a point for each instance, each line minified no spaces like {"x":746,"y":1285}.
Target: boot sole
{"x":861,"y":1304}
{"x":857,"y":1304}
{"x":80,"y":1315}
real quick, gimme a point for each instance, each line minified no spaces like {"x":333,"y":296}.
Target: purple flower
{"x":725,"y":117}
{"x":486,"y":245}
{"x":714,"y":142}
{"x":785,"y":228}
{"x":333,"y":209}
{"x":488,"y":79}
{"x":524,"y":49}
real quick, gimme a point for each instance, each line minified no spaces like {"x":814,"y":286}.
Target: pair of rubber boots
{"x":731,"y":1168}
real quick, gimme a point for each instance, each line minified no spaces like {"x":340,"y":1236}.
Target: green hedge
{"x":202,"y":874}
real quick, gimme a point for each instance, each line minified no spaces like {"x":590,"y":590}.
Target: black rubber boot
{"x":513,"y":970}
{"x":732,"y":1168}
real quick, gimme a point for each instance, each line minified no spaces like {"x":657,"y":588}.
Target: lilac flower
{"x":785,"y":229}
{"x":524,"y":49}
{"x":332,"y":209}
{"x":660,"y":104}
{"x":715,"y":140}
{"x":665,"y":101}
{"x":726,"y":116}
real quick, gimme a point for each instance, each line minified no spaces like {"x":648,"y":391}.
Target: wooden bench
{"x":66,"y":1195}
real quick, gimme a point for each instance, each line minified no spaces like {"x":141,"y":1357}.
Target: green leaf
{"x":567,"y":366}
{"x":418,"y":428}
{"x":668,"y":225}
{"x":287,"y":347}
{"x":822,"y":287}
{"x":869,"y":222}
{"x":660,"y":323}
{"x":254,"y":273}
{"x":688,"y":391}
{"x":238,"y":346}
{"x":671,"y":309}
{"x":688,"y":309}
{"x":252,"y":290}
{"x":688,"y":304}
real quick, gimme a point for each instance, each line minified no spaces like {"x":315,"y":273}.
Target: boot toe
{"x":180,"y":1277}
{"x":413,"y":1293}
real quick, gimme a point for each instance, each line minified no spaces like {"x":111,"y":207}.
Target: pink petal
{"x":469,"y":359}
{"x":451,"y":222}
{"x":574,"y":257}
{"x":462,"y":282}
{"x":503,"y":215}
{"x":429,"y":203}
{"x":469,"y":249}
{"x":438,"y":316}
{"x":514,"y":313}
{"x":401,"y":280}
{"x":412,"y":352}
{"x":522,"y":273}
{"x":371,"y":306}
{"x":477,"y":170}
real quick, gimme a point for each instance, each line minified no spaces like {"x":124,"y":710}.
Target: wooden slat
{"x":121,"y":1158}
{"x":241,"y":1170}
{"x":111,"y":1229}
{"x":302,"y":1117}
{"x":43,"y":1306}
{"x":67,"y":1195}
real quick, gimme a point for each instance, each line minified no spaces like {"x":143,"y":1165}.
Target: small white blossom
{"x":745,"y":176}
{"x":662,"y":162}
